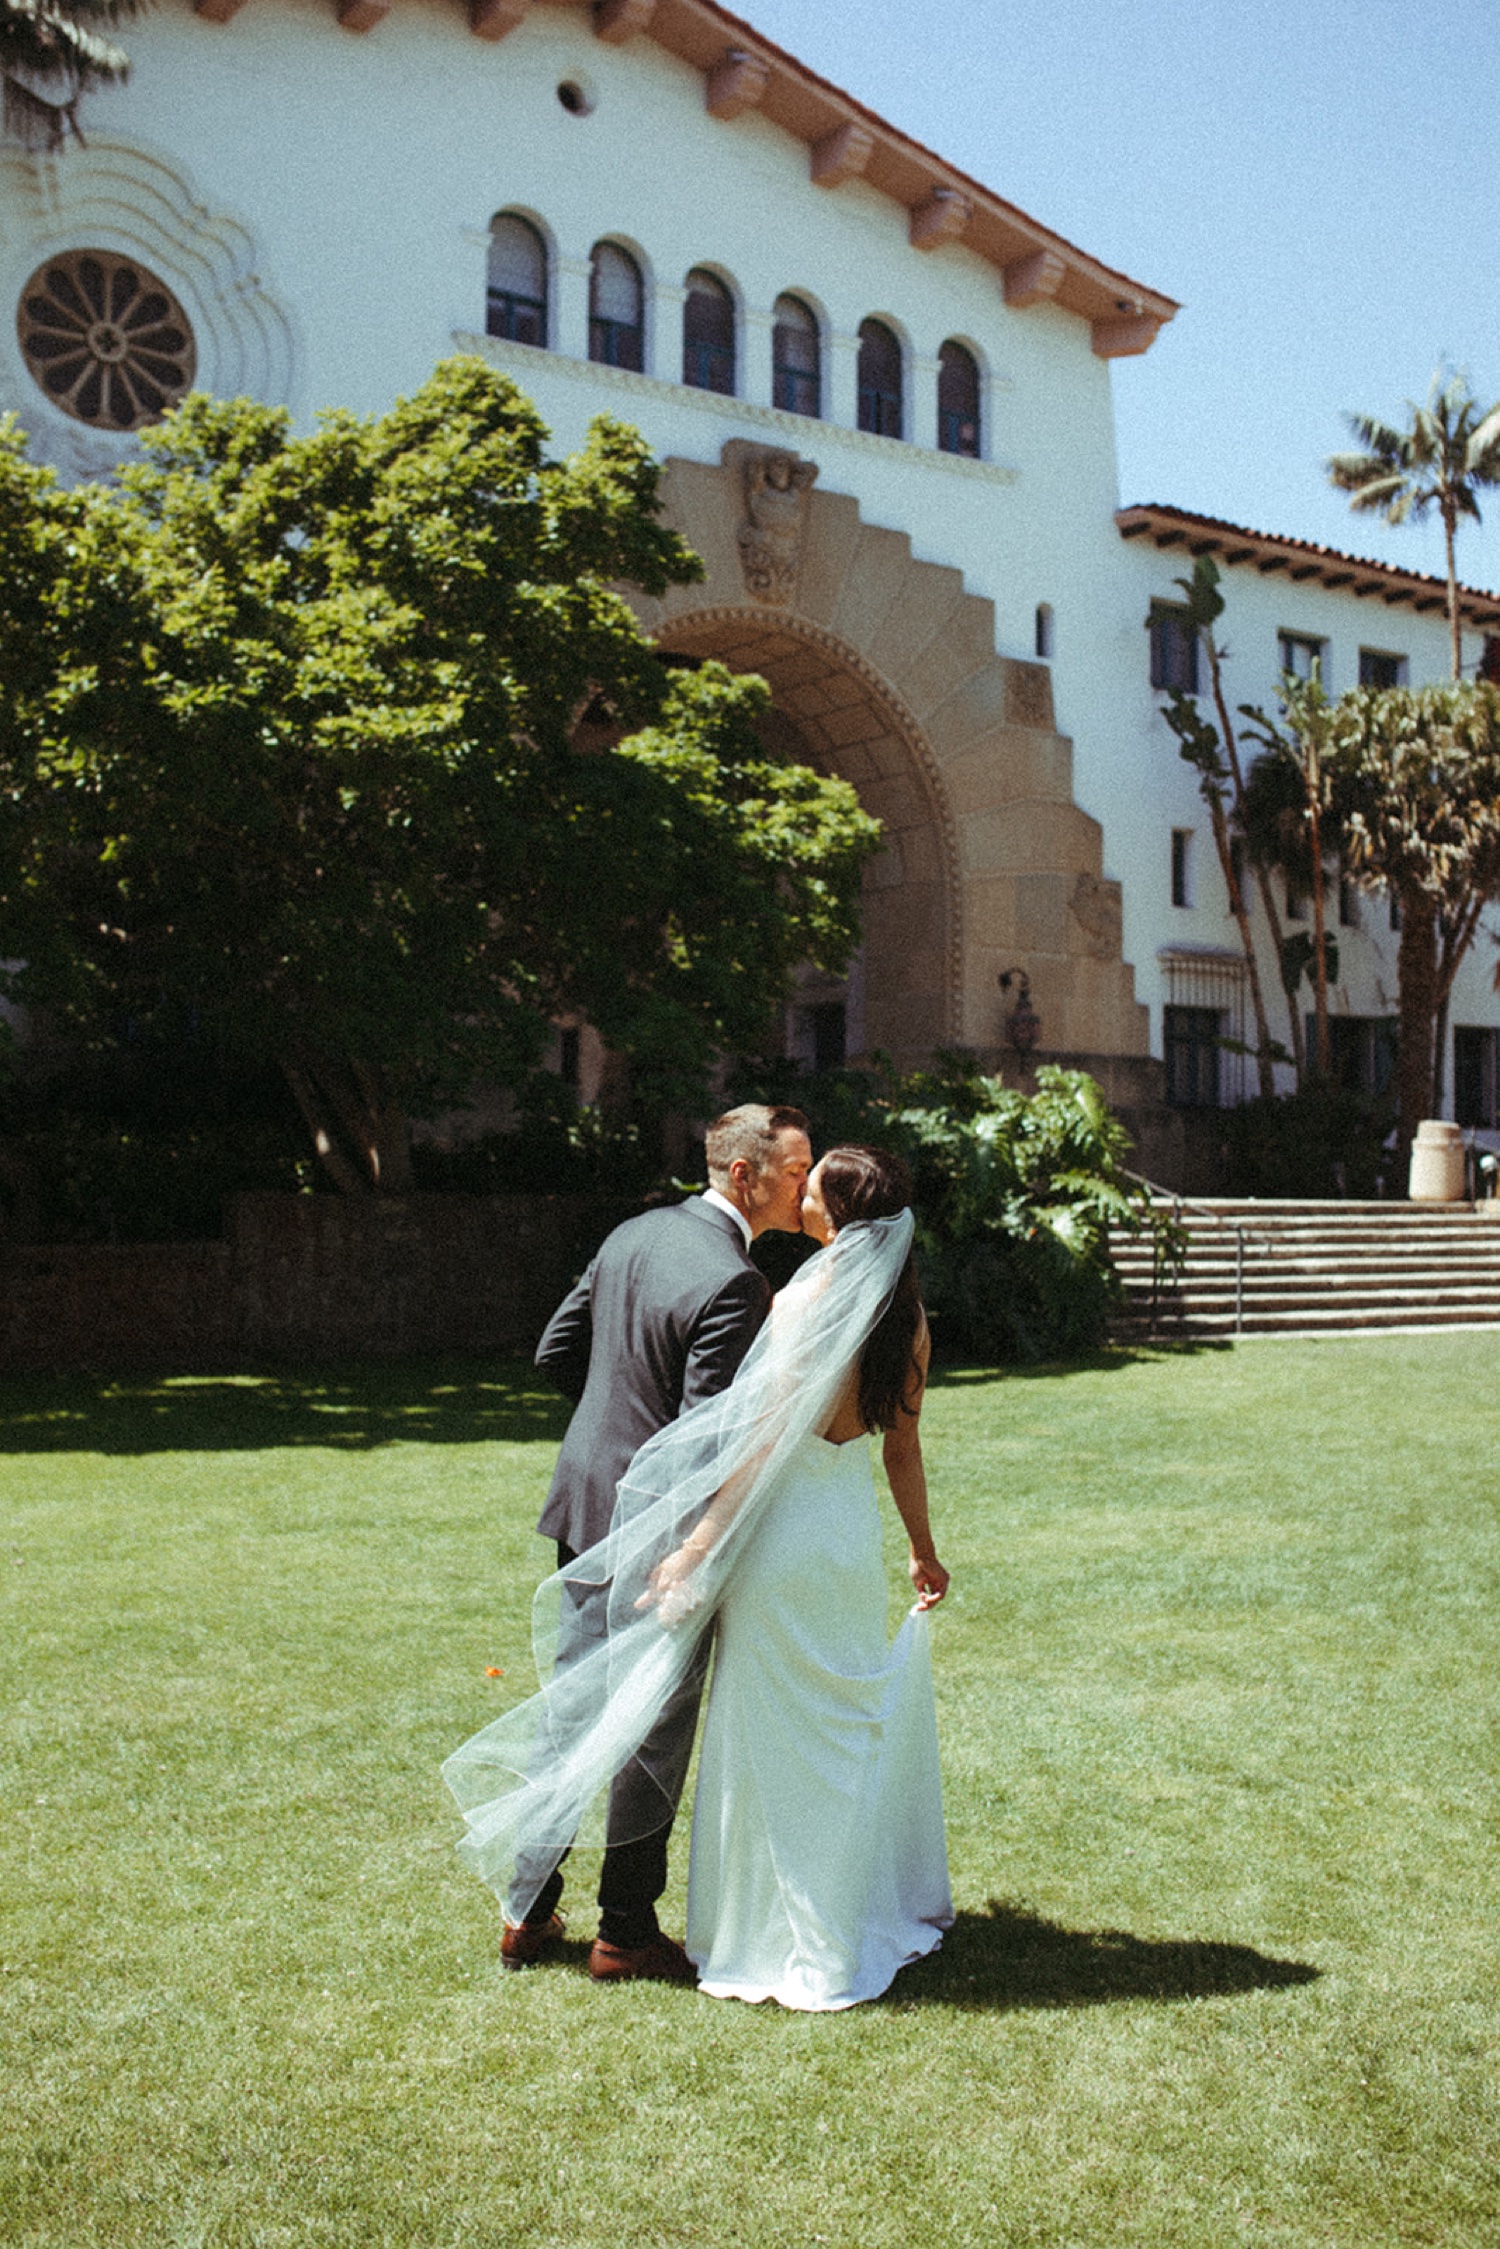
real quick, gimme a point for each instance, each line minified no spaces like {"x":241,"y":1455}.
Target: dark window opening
{"x":1182,"y":849}
{"x":1174,"y":650}
{"x":570,"y":1044}
{"x":796,"y":359}
{"x":1474,"y":1075}
{"x":516,"y":299}
{"x":1361,"y":1051}
{"x":708,"y":335}
{"x":1377,"y":669}
{"x":1191,"y":1043}
{"x":1301,"y":655}
{"x":617,"y":325}
{"x":879,"y":380}
{"x":958,"y":402}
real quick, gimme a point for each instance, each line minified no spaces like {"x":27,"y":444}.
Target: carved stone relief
{"x":775,"y":485}
{"x":1096,"y":909}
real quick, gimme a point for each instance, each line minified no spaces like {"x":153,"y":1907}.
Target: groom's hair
{"x":749,"y":1133}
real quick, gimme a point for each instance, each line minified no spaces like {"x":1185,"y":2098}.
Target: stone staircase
{"x":1315,"y":1268}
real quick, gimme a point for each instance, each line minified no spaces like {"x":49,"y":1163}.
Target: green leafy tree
{"x":1213,"y":753}
{"x":1274,"y":821}
{"x":52,"y":53}
{"x":1307,"y":711}
{"x":1449,"y":450}
{"x":37,"y":549}
{"x":1412,"y":785}
{"x":354,"y":748}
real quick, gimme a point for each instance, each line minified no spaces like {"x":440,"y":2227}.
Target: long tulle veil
{"x":610,"y":1646}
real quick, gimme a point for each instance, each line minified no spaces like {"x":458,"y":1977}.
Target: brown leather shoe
{"x":661,"y":1961}
{"x":525,"y":1941}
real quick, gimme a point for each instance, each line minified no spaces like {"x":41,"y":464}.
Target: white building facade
{"x":1289,"y":605}
{"x":882,"y":395}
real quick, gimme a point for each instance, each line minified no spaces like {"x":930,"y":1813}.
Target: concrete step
{"x":1315,"y":1268}
{"x":1188,"y":1303}
{"x":1442,"y":1257}
{"x":1303,"y":1322}
{"x":1311,"y":1211}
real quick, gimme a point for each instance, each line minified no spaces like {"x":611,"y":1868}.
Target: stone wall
{"x":304,"y":1278}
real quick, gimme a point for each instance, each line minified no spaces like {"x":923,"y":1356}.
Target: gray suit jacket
{"x":662,"y":1318}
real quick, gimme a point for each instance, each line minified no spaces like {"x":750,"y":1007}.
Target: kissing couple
{"x":714,"y":1497}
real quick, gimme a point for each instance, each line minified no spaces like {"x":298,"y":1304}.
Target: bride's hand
{"x":668,"y":1588}
{"x":930,"y":1579}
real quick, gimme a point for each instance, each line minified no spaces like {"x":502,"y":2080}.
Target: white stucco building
{"x":883,"y":395}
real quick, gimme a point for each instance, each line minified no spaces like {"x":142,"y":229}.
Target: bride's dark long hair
{"x":868,"y":1183}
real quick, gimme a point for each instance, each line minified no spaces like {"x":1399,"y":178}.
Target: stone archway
{"x":839,"y":716}
{"x":886,"y":670}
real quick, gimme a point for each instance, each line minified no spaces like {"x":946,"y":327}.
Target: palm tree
{"x":52,"y":53}
{"x":1450,"y":449}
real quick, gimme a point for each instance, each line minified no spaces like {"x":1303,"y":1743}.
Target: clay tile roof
{"x":1303,"y":559}
{"x":811,"y":107}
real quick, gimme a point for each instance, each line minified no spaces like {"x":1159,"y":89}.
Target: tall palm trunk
{"x":1450,"y":526}
{"x":1320,"y":957}
{"x":1265,"y":1068}
{"x":1417,"y":978}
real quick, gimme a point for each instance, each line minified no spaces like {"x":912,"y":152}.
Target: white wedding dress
{"x":818,"y":1862}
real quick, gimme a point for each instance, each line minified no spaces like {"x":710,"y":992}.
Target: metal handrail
{"x":1242,"y":1233}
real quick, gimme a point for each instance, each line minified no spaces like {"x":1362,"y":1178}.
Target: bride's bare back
{"x":844,"y":1424}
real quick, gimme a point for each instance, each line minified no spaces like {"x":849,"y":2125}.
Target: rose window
{"x":105,"y":340}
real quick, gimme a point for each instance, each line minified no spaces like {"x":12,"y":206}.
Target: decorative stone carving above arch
{"x":885,"y":669}
{"x":776,"y":484}
{"x":123,"y":200}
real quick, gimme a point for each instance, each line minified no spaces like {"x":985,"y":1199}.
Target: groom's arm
{"x":567,"y":1340}
{"x":722,"y":1334}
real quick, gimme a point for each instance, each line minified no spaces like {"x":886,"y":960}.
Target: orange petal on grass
{"x":493,"y":1671}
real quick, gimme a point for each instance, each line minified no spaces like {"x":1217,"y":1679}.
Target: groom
{"x":661,"y":1320}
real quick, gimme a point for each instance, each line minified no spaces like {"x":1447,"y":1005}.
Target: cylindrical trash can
{"x":1437,"y":1163}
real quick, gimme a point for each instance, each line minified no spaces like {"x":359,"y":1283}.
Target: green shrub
{"x":1015,"y":1194}
{"x":1322,"y":1141}
{"x":143,"y":1141}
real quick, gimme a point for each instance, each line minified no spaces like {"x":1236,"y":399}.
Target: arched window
{"x":617,"y":324}
{"x":708,"y":334}
{"x":796,"y":361}
{"x":1044,"y":636}
{"x":517,"y":300}
{"x":958,"y":401}
{"x":879,"y":379}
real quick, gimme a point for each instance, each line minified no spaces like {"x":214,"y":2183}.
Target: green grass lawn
{"x":1218,"y":1692}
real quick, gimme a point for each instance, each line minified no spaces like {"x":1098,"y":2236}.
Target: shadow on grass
{"x":354,"y":1407}
{"x":348,"y":1408}
{"x":958,"y":1374}
{"x":1008,"y":1957}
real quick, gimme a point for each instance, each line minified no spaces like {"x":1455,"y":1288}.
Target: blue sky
{"x":1316,"y":180}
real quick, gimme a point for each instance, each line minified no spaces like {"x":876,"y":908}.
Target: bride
{"x":818,"y":1865}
